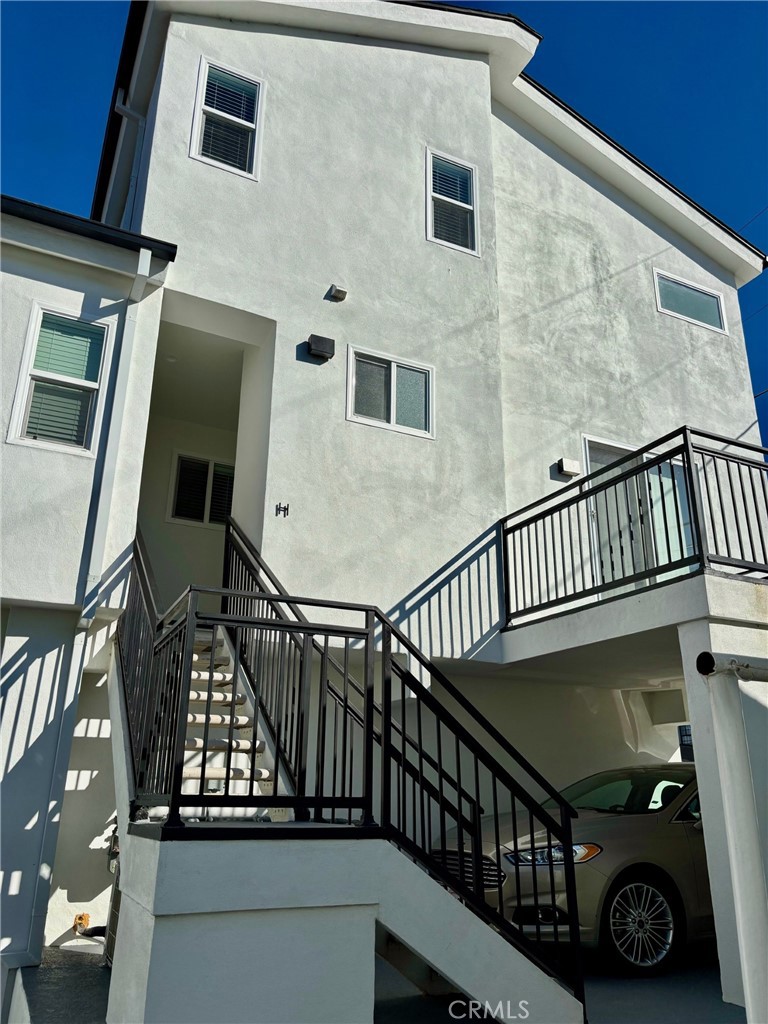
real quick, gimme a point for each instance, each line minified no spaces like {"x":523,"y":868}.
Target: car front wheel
{"x":642,"y":927}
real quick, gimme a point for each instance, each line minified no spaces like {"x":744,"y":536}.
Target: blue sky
{"x":683,"y":86}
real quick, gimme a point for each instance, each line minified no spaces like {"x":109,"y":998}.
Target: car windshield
{"x":628,"y":790}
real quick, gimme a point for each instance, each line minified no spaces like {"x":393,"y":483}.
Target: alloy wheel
{"x":642,"y":924}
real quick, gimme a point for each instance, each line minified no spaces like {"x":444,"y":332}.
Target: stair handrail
{"x":466,"y":705}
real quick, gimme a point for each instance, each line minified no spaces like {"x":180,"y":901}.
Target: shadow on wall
{"x":455,"y":612}
{"x":37,"y":707}
{"x":81,"y":880}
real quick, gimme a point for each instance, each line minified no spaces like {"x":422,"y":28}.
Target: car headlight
{"x":545,"y":855}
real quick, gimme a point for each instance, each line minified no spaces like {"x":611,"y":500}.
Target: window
{"x":689,"y":302}
{"x":451,"y":203}
{"x":58,"y":400}
{"x":201,"y":491}
{"x":227,"y":119}
{"x":390,"y":393}
{"x":686,"y":742}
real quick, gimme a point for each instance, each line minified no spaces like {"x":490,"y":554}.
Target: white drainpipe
{"x":140,"y":122}
{"x":104,"y":507}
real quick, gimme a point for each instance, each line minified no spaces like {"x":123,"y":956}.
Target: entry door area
{"x":640,"y":524}
{"x":619,"y":545}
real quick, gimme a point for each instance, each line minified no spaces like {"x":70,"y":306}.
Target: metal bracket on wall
{"x":281,"y":510}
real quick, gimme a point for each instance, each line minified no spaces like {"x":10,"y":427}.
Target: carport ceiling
{"x":639,"y":659}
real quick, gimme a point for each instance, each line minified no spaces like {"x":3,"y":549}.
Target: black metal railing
{"x":687,"y":502}
{"x":366,"y":733}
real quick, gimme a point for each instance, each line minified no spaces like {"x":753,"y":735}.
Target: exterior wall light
{"x":321,"y":348}
{"x":568,"y":467}
{"x":336,"y":294}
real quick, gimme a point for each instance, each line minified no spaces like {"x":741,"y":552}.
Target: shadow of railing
{"x":456,"y":610}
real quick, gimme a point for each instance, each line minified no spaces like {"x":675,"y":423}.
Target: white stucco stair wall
{"x":262,"y":909}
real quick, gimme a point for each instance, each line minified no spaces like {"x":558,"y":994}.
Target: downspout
{"x":104,"y":507}
{"x":742,"y":833}
{"x":140,"y":122}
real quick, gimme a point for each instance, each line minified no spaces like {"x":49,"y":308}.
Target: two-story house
{"x":366,"y":316}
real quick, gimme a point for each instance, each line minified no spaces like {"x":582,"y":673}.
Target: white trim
{"x":200,"y":109}
{"x":430,"y":196}
{"x":27,"y":374}
{"x":696,"y":287}
{"x":212,"y":461}
{"x":352,"y":352}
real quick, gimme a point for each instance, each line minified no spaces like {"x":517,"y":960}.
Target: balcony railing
{"x":688,"y":502}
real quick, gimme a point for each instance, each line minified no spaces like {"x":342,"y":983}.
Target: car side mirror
{"x":699,"y":825}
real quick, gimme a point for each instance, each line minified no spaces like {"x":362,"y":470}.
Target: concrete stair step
{"x":218,"y":678}
{"x":212,"y":774}
{"x":215,"y":697}
{"x":221,"y":721}
{"x":203,"y":659}
{"x":237,"y":746}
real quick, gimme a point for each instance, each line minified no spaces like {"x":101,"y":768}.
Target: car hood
{"x":589,"y":826}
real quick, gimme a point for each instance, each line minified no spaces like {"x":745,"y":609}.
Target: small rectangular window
{"x":225,"y":130}
{"x":390,"y":393}
{"x":201,"y":491}
{"x":61,"y":393}
{"x":451,"y":203}
{"x":689,"y":302}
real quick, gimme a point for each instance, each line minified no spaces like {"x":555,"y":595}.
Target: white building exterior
{"x":519,"y":291}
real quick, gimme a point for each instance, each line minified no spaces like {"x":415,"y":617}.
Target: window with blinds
{"x":390,"y":393}
{"x":201,"y":491}
{"x":452,"y":205}
{"x":64,"y":381}
{"x":226,"y":122}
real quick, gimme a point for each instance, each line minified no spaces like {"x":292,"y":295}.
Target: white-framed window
{"x":688,"y":301}
{"x":226,"y":130}
{"x":58,"y":402}
{"x":385,"y":391}
{"x":200,"y":493}
{"x":452,"y":202}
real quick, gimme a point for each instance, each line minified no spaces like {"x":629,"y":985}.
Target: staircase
{"x":299,"y":719}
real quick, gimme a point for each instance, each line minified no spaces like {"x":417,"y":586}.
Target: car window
{"x":662,"y":796}
{"x":629,"y":791}
{"x":691,"y":811}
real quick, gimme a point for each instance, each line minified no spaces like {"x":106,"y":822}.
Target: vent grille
{"x":461,"y":866}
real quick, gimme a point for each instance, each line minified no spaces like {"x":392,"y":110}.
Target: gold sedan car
{"x":641,"y":872}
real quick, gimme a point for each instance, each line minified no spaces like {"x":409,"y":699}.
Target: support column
{"x":731,"y":831}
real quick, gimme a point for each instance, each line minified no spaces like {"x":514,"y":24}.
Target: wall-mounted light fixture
{"x":321,"y":348}
{"x":568,"y":467}
{"x":336,"y":294}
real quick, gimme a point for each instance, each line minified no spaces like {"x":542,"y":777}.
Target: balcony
{"x":688,"y":503}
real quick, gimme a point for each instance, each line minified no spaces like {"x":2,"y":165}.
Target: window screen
{"x":391,"y":393}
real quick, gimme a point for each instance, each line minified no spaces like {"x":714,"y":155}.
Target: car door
{"x":690,"y":818}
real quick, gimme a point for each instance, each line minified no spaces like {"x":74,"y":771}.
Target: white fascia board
{"x":620,"y":170}
{"x":23,"y":234}
{"x":508,"y":45}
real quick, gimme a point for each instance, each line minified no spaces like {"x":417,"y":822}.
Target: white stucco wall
{"x":81,"y":881}
{"x":41,"y":665}
{"x":585,"y":350}
{"x":237,"y":901}
{"x":180,"y":554}
{"x":50,"y":495}
{"x":341,"y":200}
